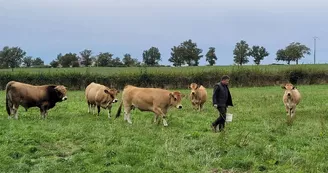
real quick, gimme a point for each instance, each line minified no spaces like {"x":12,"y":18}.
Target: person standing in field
{"x":221,"y":100}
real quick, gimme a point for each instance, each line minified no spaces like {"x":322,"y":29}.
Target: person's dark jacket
{"x":221,"y":95}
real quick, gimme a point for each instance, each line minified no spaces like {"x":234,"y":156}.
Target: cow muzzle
{"x":64,"y":98}
{"x":288,"y":94}
{"x":179,"y":106}
{"x":115,"y":101}
{"x":193,"y":93}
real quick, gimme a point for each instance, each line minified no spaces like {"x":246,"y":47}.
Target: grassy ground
{"x":258,"y":139}
{"x":104,"y":70}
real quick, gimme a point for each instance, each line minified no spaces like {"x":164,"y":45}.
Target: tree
{"x":104,"y":59}
{"x":11,"y":57}
{"x":37,"y":62}
{"x":68,"y":59}
{"x":210,"y":56}
{"x":258,"y":53}
{"x":186,"y":53}
{"x":27,"y":61}
{"x":54,"y":64}
{"x":293,"y":52}
{"x":176,"y":57}
{"x":190,"y":53}
{"x":152,"y":56}
{"x":241,"y":53}
{"x":116,"y":62}
{"x":129,"y":61}
{"x":86,"y":56}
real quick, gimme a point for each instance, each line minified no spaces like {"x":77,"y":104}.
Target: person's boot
{"x":213,"y":128}
{"x":221,"y":127}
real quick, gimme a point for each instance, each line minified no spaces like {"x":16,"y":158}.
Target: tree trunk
{"x":297,"y":62}
{"x":288,"y":62}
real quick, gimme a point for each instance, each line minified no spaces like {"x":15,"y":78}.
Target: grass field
{"x":106,"y":70}
{"x":257,"y":140}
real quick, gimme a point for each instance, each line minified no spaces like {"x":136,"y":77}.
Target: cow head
{"x":193,"y":87}
{"x":288,"y":89}
{"x":112,"y":94}
{"x":61,"y":92}
{"x":175,"y":98}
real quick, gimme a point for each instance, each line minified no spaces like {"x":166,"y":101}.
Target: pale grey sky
{"x":45,"y":28}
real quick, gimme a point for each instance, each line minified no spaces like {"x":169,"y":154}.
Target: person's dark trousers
{"x":221,"y":119}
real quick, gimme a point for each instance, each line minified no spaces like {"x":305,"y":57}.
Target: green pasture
{"x":257,"y":140}
{"x":107,"y":70}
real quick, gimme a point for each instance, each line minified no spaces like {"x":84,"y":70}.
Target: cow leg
{"x":98,"y":108}
{"x":159,"y":112}
{"x":292,"y":114}
{"x":89,"y":106}
{"x":93,"y":107}
{"x":15,"y":111}
{"x":289,"y":116}
{"x":155,"y":118}
{"x":109,"y":110}
{"x":127,"y":113}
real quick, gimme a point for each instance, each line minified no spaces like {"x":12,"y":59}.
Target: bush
{"x":240,"y":77}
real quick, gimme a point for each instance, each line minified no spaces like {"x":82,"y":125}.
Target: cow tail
{"x":119,"y":110}
{"x":8,"y":98}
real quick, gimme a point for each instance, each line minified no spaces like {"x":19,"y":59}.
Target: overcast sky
{"x":44,"y":28}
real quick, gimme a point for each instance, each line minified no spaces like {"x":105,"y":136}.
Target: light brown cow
{"x":154,"y":100}
{"x":291,"y":98}
{"x":44,"y":97}
{"x":198,"y":95}
{"x":100,"y":96}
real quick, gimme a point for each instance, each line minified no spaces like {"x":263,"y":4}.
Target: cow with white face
{"x":154,"y":100}
{"x":291,"y":99}
{"x":198,"y":95}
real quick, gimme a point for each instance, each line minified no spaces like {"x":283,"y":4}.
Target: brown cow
{"x":44,"y":97}
{"x":149,"y":99}
{"x":198,"y":95}
{"x":291,"y":98}
{"x":100,"y":96}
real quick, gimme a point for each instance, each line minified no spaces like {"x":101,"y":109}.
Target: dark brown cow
{"x":44,"y":97}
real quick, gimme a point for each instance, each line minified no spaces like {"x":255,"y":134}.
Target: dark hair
{"x":224,"y":77}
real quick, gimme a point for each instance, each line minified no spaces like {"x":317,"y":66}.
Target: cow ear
{"x":294,"y":87}
{"x":106,"y":91}
{"x":182,"y":95}
{"x":171,"y":95}
{"x":283,"y":87}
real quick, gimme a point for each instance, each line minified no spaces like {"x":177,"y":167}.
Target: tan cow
{"x":198,"y":95}
{"x":98,"y":95}
{"x":44,"y":97}
{"x":291,"y":98}
{"x":154,"y":100}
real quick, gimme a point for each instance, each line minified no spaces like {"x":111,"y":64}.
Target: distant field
{"x":106,"y":70}
{"x":258,"y":139}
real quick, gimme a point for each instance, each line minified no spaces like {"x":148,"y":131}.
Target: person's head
{"x":225,"y":79}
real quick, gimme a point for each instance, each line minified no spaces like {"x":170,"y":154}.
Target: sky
{"x":45,"y":28}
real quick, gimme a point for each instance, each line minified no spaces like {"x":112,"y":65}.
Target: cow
{"x":44,"y":97}
{"x":291,"y":98}
{"x":154,"y":100}
{"x":100,"y":96}
{"x":198,"y":95}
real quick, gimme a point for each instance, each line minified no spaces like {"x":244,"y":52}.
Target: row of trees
{"x":187,"y":53}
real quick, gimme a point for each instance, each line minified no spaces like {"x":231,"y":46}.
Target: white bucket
{"x":229,"y":117}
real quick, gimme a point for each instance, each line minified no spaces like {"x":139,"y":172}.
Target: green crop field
{"x":107,"y":70}
{"x":257,"y":140}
